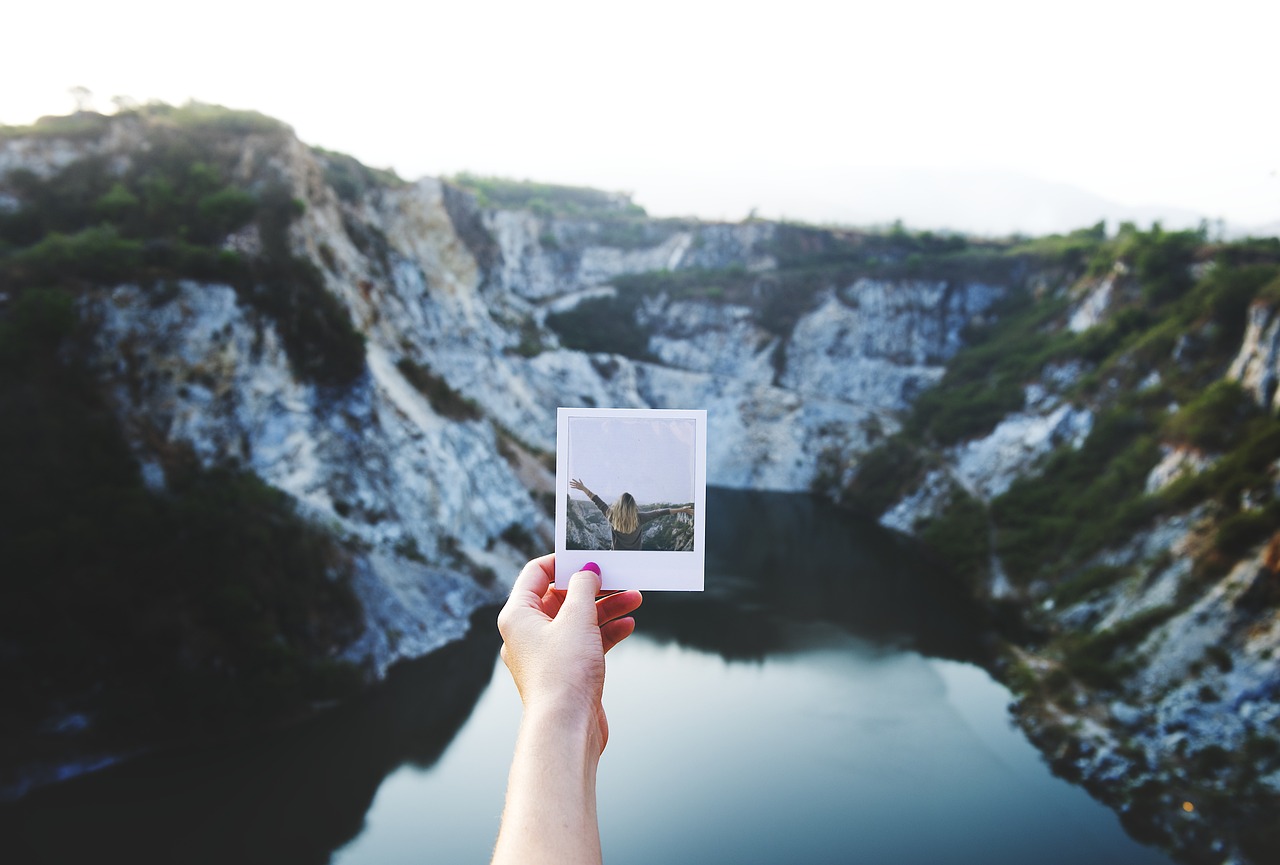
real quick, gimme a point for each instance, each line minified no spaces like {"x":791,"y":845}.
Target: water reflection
{"x":288,"y":797}
{"x":840,"y":737}
{"x":775,"y":559}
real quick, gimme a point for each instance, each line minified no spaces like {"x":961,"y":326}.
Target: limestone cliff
{"x":1072,"y":423}
{"x":391,"y":354}
{"x":1124,"y":505}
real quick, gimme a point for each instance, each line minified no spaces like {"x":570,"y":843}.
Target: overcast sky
{"x":651,"y":459}
{"x":933,"y":111}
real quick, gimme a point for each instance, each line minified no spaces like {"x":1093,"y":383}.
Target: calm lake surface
{"x":817,"y":704}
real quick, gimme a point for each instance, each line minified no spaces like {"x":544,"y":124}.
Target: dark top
{"x":630,"y":540}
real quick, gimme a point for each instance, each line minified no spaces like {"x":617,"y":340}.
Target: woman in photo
{"x":625,"y":518}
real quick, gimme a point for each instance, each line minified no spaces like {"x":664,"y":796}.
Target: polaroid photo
{"x":631,"y":491}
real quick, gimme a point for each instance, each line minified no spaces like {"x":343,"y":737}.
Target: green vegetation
{"x":352,"y":179}
{"x":884,"y":476}
{"x":548,"y":199}
{"x":1097,"y":659}
{"x":603,"y":324}
{"x":1214,"y":420}
{"x":207,"y":606}
{"x":1082,"y":501}
{"x":1087,"y":582}
{"x":163,"y":214}
{"x":443,"y":398}
{"x":960,"y":535}
{"x":1164,"y":319}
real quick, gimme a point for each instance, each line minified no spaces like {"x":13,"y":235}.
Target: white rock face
{"x":1176,"y":463}
{"x":878,"y":343}
{"x":1178,"y":650}
{"x":546,"y":257}
{"x":927,"y":500}
{"x":987,"y":466}
{"x":376,"y":463}
{"x":411,"y":609}
{"x":381,"y":467}
{"x":721,"y":339}
{"x":1092,"y":309}
{"x":1257,"y":366}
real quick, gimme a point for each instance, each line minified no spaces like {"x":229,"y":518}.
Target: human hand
{"x":554,"y":641}
{"x":580,"y":487}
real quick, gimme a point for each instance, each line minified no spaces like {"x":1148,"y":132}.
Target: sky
{"x":651,"y":459}
{"x":988,"y":115}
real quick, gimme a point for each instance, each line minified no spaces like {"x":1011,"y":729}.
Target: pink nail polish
{"x":591,"y":566}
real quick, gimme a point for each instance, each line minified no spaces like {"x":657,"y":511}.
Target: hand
{"x":554,"y":641}
{"x":580,"y":487}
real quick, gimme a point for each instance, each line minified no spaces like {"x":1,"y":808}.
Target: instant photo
{"x":631,"y":490}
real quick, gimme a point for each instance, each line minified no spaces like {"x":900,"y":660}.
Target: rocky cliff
{"x":1122,"y":505}
{"x":390,"y":355}
{"x":1060,"y":419}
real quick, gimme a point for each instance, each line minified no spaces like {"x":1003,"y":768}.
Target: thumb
{"x":580,"y":599}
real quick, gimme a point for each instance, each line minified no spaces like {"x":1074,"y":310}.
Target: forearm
{"x":550,"y":814}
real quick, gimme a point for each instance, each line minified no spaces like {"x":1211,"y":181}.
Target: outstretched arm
{"x":554,"y":644}
{"x":646,"y":516}
{"x":582,"y":488}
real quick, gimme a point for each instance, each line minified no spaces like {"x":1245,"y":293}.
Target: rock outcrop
{"x":452,"y":301}
{"x":431,"y":462}
{"x":1257,"y":366}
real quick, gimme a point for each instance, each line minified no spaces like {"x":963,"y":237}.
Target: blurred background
{"x":984,"y":307}
{"x":991,"y":118}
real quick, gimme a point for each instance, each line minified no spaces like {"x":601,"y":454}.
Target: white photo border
{"x":630,"y":569}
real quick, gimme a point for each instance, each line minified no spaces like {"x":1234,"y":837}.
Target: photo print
{"x":631,"y":493}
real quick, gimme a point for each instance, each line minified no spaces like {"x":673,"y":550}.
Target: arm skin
{"x":646,"y":516}
{"x":554,"y":644}
{"x":582,"y":488}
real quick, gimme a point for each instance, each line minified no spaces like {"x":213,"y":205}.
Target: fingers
{"x":527,"y":593}
{"x":552,"y":601}
{"x":580,"y":598}
{"x":534,"y":579}
{"x":618,"y":604}
{"x":613,"y":633}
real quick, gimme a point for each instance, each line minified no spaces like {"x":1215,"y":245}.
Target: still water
{"x":818,"y":704}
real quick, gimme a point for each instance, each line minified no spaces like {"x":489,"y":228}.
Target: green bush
{"x":548,"y":199}
{"x":1162,"y":260}
{"x":1214,"y":420}
{"x":444,"y":399}
{"x":350,"y":178}
{"x":602,"y":324}
{"x":92,"y":254}
{"x":959,"y":535}
{"x":1244,"y":468}
{"x":1239,"y":533}
{"x":211,"y":603}
{"x":1093,"y":657}
{"x":883,"y":476}
{"x":985,"y":381}
{"x":322,"y":344}
{"x":164,"y":217}
{"x":1083,"y":500}
{"x":1085,"y":583}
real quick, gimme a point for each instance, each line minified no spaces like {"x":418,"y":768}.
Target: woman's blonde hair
{"x":623,"y":514}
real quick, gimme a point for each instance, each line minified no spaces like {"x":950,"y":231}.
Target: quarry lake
{"x":819,"y":703}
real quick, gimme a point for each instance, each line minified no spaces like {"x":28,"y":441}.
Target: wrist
{"x":564,"y":723}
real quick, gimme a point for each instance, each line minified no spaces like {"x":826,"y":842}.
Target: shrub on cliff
{"x":163,"y":213}
{"x":209,"y":604}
